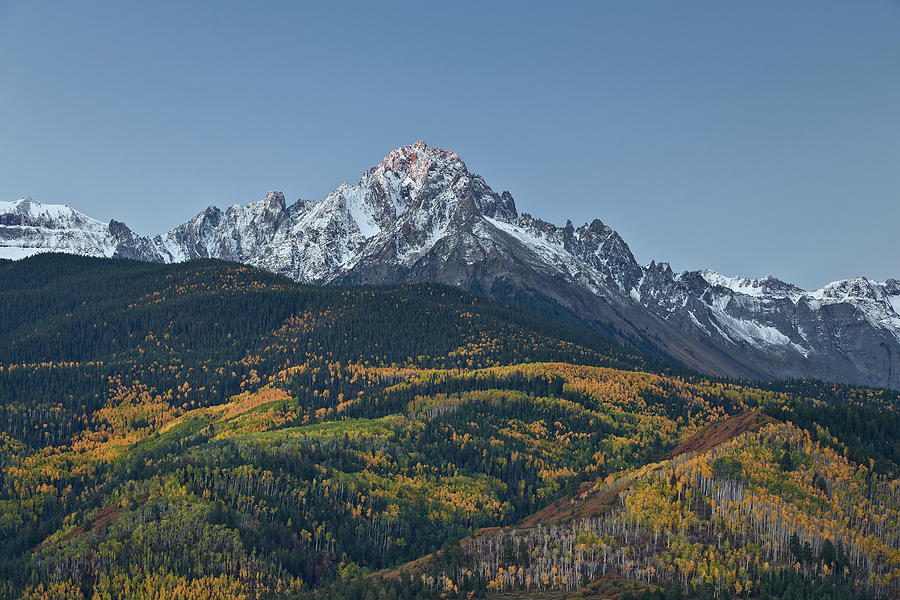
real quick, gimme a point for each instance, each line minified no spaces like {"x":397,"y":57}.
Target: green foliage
{"x":727,"y":466}
{"x":863,"y":422}
{"x":787,"y":461}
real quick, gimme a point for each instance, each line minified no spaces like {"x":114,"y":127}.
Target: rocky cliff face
{"x":421,"y":215}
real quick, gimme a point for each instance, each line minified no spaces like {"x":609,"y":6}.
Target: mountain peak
{"x":29,"y":211}
{"x":26,"y":204}
{"x":275,"y":196}
{"x":420,"y":149}
{"x":273,"y":202}
{"x":415,"y":161}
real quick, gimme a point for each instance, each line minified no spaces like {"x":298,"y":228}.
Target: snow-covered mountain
{"x":421,"y":215}
{"x":28,"y":227}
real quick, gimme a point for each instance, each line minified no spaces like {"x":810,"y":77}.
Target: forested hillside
{"x":205,"y":430}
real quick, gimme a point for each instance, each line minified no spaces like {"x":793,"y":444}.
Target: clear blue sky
{"x":748,"y":137}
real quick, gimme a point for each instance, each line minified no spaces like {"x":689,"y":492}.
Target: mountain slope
{"x":748,"y":507}
{"x":421,"y":215}
{"x":209,"y":430}
{"x":720,"y":521}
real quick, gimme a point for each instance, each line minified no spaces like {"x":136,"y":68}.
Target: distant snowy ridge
{"x":877,"y":301}
{"x":421,"y":215}
{"x":28,"y":227}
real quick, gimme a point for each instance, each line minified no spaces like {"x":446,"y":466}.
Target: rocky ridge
{"x":420,"y":214}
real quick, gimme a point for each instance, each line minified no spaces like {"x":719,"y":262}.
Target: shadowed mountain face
{"x":420,"y":214}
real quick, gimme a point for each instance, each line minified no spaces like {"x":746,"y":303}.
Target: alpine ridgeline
{"x":421,"y":215}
